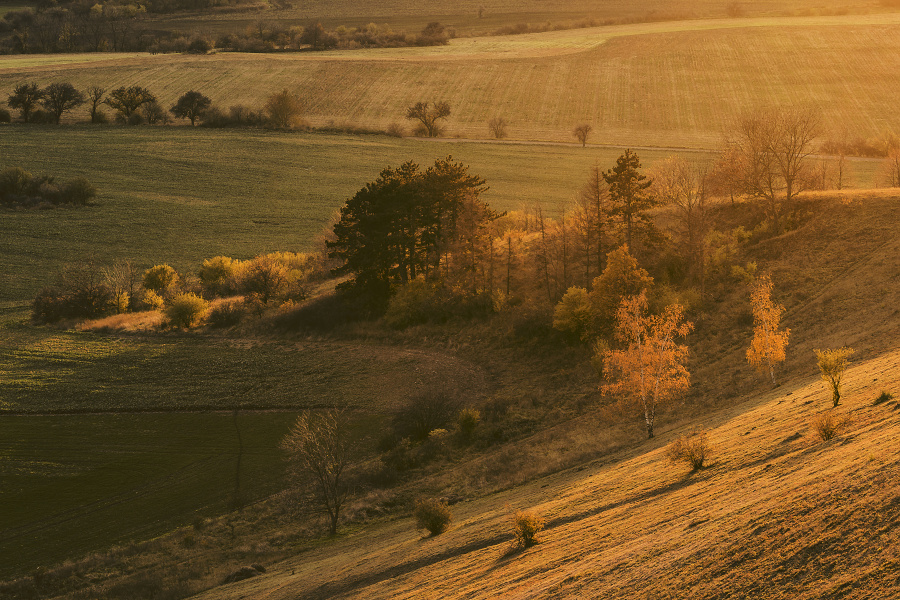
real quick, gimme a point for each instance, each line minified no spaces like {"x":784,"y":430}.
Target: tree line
{"x":134,"y":105}
{"x":113,"y":26}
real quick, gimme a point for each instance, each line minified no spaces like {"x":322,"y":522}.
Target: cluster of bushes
{"x":90,"y":291}
{"x":19,"y":187}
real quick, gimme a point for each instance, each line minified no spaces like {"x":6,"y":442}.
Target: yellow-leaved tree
{"x":768,"y":344}
{"x":832,"y":364}
{"x":648,"y":369}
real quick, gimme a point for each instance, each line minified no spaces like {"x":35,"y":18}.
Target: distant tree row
{"x":83,"y":26}
{"x":135,"y":105}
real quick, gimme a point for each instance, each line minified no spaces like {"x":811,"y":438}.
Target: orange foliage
{"x":768,"y":344}
{"x":649,"y":369}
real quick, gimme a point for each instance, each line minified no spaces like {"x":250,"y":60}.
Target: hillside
{"x":675,"y":84}
{"x":780,"y":513}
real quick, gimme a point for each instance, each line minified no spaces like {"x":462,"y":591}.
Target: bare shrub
{"x":693,"y":449}
{"x":227,"y":313}
{"x":396,"y":130}
{"x":424,"y":413}
{"x":828,"y":426}
{"x":433,"y":515}
{"x":526,"y":525}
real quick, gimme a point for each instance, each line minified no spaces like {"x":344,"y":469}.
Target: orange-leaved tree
{"x":648,"y":369}
{"x":768,"y":344}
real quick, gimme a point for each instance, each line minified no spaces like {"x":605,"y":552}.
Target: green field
{"x":80,"y":483}
{"x":179,"y":195}
{"x":657,"y":84}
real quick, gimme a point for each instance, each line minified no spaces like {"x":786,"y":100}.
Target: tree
{"x":428,"y":117}
{"x":591,"y":220}
{"x":25,"y":98}
{"x":649,"y":368}
{"x":126,"y":101}
{"x":319,"y":448}
{"x":497,"y":125}
{"x":95,"y":96}
{"x":629,"y":197}
{"x":192,"y":105}
{"x":774,"y":145}
{"x":408,"y":223}
{"x":768,"y":344}
{"x":678,"y":184}
{"x":623,"y":277}
{"x":726,"y":178}
{"x":581,"y":133}
{"x":284,"y":109}
{"x":832,"y":364}
{"x":58,"y":98}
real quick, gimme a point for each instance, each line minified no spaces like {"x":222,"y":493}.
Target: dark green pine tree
{"x":401,"y":226}
{"x":630,"y":199}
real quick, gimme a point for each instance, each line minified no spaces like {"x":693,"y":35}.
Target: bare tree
{"x":428,"y":116}
{"x":95,"y":97}
{"x":677,"y":183}
{"x":319,"y":448}
{"x":284,"y":109}
{"x":497,"y":125}
{"x":581,"y":133}
{"x":774,"y":145}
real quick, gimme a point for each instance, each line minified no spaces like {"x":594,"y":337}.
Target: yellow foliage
{"x":832,"y":364}
{"x":767,"y":348}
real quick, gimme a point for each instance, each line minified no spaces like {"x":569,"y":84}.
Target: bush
{"x":227,"y":314}
{"x":885,"y":396}
{"x":424,"y":414}
{"x":433,"y":515}
{"x":216,"y":275}
{"x":160,"y":278}
{"x":468,"y":420}
{"x":828,"y":426}
{"x":5,"y":117}
{"x":396,"y":130}
{"x":693,"y":449}
{"x":526,"y":526}
{"x":573,"y":313}
{"x":78,"y":191}
{"x":186,"y":310}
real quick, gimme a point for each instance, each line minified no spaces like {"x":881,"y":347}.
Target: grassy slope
{"x":670,"y":84}
{"x":773,"y":517}
{"x":180,"y":196}
{"x":779,"y":514}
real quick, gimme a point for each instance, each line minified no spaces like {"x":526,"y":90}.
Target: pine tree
{"x":630,"y":199}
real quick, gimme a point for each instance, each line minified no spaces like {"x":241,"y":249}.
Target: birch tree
{"x":649,"y":367}
{"x":767,"y":348}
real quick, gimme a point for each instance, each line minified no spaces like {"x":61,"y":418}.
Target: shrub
{"x":14,"y":181}
{"x":78,"y":191}
{"x":186,"y":310}
{"x":573,"y":313}
{"x":433,"y":515}
{"x":828,"y":426}
{"x":885,"y":396}
{"x":423,"y":414}
{"x":693,"y":449}
{"x":396,"y":130}
{"x":160,"y":278}
{"x":468,"y":420}
{"x":227,"y":314}
{"x":5,"y":117}
{"x":216,"y":275}
{"x":150,"y":300}
{"x":526,"y":526}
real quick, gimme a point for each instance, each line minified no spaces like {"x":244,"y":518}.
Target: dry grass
{"x":781,"y":517}
{"x":125,"y":323}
